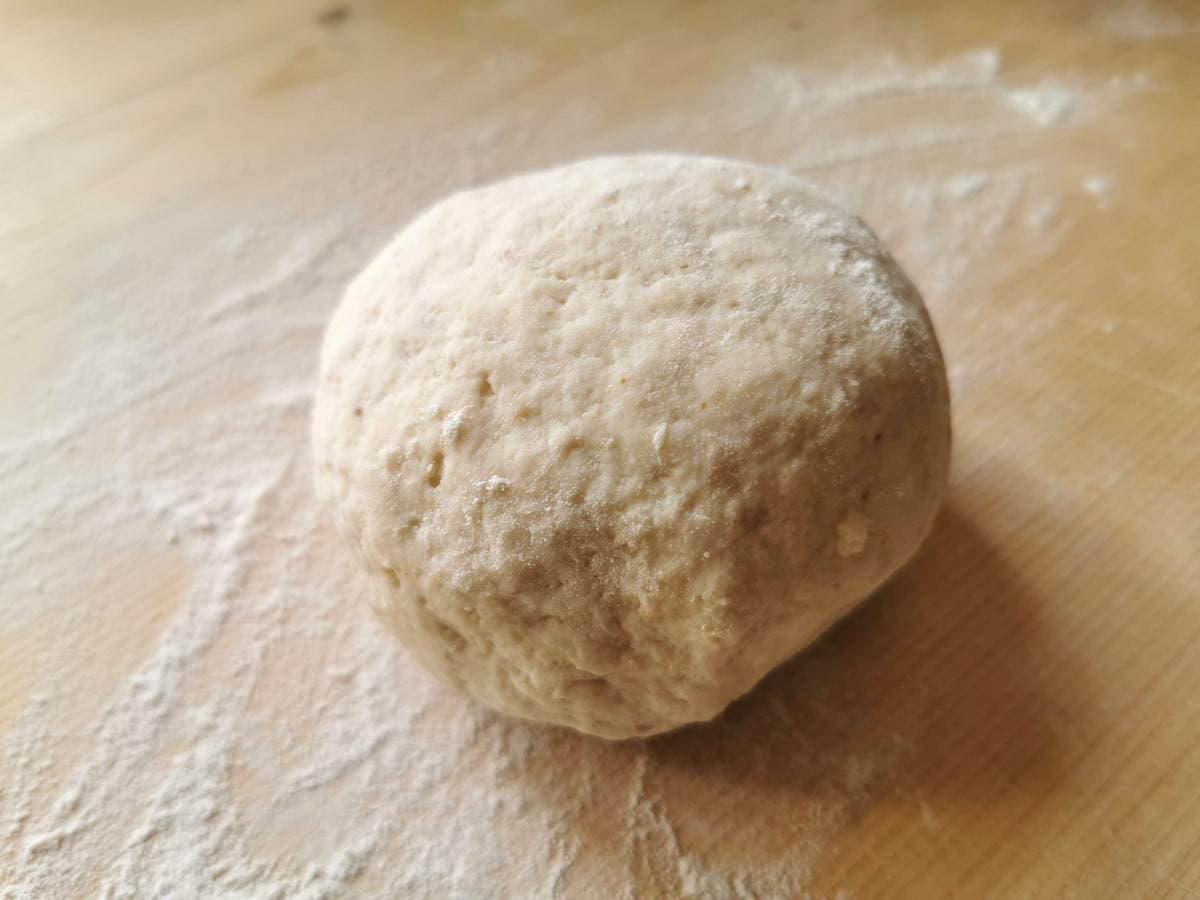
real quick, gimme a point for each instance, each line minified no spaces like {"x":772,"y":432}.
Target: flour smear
{"x":231,"y":721}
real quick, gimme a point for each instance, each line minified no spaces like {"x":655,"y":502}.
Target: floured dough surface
{"x":612,"y":441}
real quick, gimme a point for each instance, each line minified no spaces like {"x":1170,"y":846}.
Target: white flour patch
{"x":1047,"y":104}
{"x":1140,"y":21}
{"x":1100,"y":187}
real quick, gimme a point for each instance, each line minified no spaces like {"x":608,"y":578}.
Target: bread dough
{"x":612,"y":441}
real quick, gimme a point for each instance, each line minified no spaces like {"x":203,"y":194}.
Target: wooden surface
{"x":1029,"y":687}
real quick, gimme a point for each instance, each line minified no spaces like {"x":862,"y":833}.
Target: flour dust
{"x":212,"y":710}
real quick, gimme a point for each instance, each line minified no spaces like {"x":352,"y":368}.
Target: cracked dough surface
{"x":611,"y":441}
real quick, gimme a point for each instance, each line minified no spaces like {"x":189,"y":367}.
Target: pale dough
{"x":612,"y":441}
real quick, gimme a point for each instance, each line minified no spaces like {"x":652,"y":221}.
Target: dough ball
{"x":612,"y":441}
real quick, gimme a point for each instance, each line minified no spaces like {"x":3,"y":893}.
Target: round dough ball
{"x":612,"y":441}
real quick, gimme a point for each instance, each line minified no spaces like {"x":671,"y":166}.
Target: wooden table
{"x":1018,"y":714}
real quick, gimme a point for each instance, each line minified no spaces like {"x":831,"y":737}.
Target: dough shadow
{"x":929,"y":697}
{"x":850,"y":680}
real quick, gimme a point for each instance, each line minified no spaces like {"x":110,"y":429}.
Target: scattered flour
{"x":1047,"y":104}
{"x":1100,"y":187}
{"x":1041,"y":217}
{"x":1140,"y":21}
{"x":454,"y":426}
{"x":269,"y":739}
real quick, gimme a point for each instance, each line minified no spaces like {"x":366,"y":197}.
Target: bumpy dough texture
{"x":612,"y":441}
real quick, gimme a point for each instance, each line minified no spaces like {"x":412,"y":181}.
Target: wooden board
{"x":1025,"y":697}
